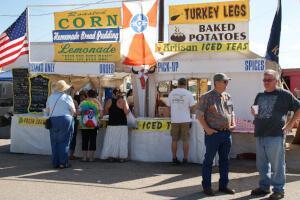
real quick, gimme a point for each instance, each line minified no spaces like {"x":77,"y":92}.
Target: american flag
{"x":13,"y":42}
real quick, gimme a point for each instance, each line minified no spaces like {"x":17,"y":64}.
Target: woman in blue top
{"x":61,"y":109}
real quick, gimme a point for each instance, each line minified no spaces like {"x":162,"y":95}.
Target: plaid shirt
{"x":217,"y":109}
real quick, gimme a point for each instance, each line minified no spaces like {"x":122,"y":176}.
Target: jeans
{"x":60,"y":136}
{"x":218,"y":142}
{"x":270,"y":162}
{"x":74,"y":136}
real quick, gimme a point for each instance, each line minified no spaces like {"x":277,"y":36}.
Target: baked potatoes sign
{"x":88,"y":19}
{"x":87,"y":52}
{"x":230,"y":11}
{"x":209,"y":32}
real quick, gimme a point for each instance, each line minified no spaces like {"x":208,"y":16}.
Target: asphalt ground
{"x":30,"y":177}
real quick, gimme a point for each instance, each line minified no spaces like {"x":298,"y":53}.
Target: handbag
{"x":48,"y":124}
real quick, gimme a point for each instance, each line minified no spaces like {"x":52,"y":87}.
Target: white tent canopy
{"x":245,"y":83}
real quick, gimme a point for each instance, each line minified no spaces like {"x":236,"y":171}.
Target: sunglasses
{"x":268,"y":80}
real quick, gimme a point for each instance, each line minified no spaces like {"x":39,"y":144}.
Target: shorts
{"x":180,"y":131}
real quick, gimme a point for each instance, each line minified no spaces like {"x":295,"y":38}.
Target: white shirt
{"x":180,"y":100}
{"x":63,"y":106}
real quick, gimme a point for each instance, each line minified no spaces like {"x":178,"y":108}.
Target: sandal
{"x":64,"y":166}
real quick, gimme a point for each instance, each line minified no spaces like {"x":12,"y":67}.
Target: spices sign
{"x":230,"y":11}
{"x":88,"y":19}
{"x":87,"y":52}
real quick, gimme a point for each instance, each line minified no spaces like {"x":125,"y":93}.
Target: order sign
{"x":87,"y":52}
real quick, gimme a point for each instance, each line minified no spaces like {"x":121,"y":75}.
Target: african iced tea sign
{"x":88,"y":19}
{"x":230,"y":11}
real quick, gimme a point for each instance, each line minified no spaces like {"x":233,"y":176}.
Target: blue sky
{"x":261,"y":17}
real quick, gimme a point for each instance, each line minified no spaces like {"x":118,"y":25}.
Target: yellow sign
{"x":88,"y":19}
{"x":202,"y":47}
{"x":147,"y":125}
{"x":229,"y":11}
{"x":154,"y":125}
{"x":87,"y":52}
{"x":31,"y":121}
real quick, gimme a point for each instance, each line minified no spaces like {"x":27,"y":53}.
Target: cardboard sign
{"x":88,"y":19}
{"x":209,"y":32}
{"x":32,"y":121}
{"x":87,"y":52}
{"x":229,"y":11}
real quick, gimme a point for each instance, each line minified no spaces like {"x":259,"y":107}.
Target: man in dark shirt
{"x":270,"y":129}
{"x":216,"y":111}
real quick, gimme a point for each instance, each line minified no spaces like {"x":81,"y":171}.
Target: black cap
{"x":221,"y":77}
{"x":182,"y":81}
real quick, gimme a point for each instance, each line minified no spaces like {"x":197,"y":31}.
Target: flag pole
{"x":27,"y":32}
{"x":161,"y":21}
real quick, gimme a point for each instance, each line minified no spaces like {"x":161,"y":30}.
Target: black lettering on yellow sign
{"x":154,"y":125}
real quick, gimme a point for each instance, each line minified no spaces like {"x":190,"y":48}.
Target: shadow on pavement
{"x":115,"y":175}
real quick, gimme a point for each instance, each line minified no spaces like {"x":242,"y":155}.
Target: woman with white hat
{"x":61,"y":107}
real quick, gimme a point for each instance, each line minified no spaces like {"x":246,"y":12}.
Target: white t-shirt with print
{"x":180,"y":100}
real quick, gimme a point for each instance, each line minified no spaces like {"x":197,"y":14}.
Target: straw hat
{"x":60,"y":86}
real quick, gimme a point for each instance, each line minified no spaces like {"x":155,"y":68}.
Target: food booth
{"x":195,"y":60}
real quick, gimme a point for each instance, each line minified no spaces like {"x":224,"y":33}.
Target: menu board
{"x":21,"y":90}
{"x":39,"y":91}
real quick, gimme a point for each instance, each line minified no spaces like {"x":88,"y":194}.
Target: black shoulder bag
{"x":48,"y":123}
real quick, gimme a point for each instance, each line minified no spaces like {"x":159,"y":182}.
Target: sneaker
{"x":227,"y":191}
{"x":260,"y":192}
{"x":276,"y":195}
{"x":72,"y":157}
{"x":176,"y":161}
{"x":208,"y":192}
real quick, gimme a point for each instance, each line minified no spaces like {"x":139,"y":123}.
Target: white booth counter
{"x":150,"y":142}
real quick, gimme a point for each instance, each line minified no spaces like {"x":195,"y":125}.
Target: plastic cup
{"x":194,"y":116}
{"x":45,"y":112}
{"x":255,"y":109}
